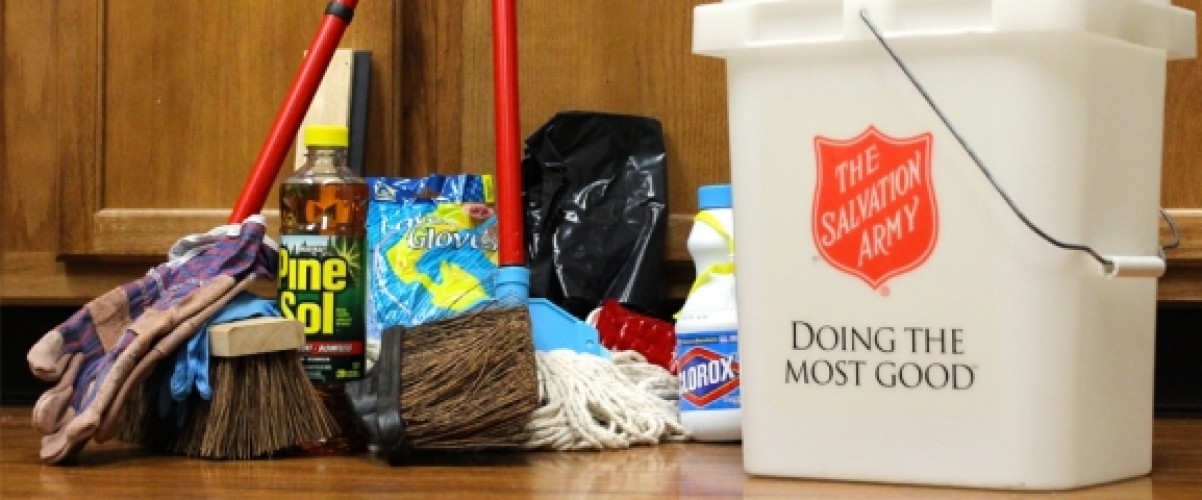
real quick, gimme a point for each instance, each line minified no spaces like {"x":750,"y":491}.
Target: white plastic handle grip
{"x":1135,"y":267}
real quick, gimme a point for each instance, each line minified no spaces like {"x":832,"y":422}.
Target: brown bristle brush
{"x":469,"y":382}
{"x":263,"y":402}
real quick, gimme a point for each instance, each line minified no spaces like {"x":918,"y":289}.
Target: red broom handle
{"x":279,"y":139}
{"x":508,"y":130}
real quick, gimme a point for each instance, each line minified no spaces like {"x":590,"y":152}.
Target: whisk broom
{"x":272,"y":412}
{"x":263,"y":401}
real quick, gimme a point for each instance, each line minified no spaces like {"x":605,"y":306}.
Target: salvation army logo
{"x":874,"y":214}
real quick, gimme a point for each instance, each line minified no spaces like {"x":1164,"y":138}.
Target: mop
{"x":473,"y":381}
{"x":588,"y":401}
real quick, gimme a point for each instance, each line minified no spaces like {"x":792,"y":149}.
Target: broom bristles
{"x":136,"y":417}
{"x":469,"y":382}
{"x":262,"y":404}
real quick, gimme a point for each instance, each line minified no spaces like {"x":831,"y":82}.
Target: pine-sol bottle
{"x":323,"y":211}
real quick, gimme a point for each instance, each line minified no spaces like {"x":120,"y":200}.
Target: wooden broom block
{"x":331,"y":104}
{"x":255,"y":336}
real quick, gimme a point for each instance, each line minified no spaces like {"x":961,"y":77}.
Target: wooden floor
{"x":678,"y":470}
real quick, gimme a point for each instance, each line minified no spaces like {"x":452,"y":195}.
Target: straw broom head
{"x":469,"y":382}
{"x":263,"y":401}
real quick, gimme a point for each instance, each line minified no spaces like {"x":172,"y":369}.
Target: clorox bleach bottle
{"x":707,"y":336}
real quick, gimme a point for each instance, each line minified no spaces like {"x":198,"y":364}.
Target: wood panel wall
{"x":634,"y":56}
{"x":618,"y":56}
{"x":1183,"y":130}
{"x":130,"y":124}
{"x":124,"y":109}
{"x":1181,"y":174}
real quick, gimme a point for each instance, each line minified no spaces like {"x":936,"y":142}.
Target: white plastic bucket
{"x":900,"y":323}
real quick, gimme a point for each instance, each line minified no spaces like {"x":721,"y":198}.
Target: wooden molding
{"x":45,"y":278}
{"x":151,"y":232}
{"x":1189,"y":225}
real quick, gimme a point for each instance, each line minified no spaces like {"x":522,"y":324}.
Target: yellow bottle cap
{"x":326,"y":135}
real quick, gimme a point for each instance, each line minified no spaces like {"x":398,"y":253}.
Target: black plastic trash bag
{"x":596,"y":192}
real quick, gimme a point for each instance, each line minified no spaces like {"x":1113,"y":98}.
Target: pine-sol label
{"x":321,"y":285}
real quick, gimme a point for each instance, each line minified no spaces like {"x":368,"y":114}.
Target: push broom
{"x":586,"y":405}
{"x":471,"y":381}
{"x":262,"y":399}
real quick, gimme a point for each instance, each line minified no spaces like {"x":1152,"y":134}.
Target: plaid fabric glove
{"x":80,"y":343}
{"x":94,"y":353}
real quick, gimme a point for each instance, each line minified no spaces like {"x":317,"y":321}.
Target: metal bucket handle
{"x":1113,"y":266}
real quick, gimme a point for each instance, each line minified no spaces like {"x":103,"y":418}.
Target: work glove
{"x":118,"y":337}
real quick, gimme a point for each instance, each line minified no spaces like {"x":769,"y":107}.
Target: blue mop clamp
{"x":553,"y":328}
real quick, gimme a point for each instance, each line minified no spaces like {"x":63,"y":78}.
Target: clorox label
{"x":708,"y":370}
{"x":875,"y":215}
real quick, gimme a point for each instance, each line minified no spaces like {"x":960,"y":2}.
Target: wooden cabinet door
{"x":166,"y":103}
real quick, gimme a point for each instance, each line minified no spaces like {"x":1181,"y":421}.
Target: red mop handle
{"x":508,"y":129}
{"x":279,"y":139}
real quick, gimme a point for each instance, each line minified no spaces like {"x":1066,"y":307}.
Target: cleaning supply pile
{"x":413,"y":331}
{"x":106,"y":351}
{"x":106,"y":358}
{"x":433,"y":251}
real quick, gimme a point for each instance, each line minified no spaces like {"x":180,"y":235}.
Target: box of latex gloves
{"x":432,"y":250}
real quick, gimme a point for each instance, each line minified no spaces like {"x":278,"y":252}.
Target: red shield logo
{"x":874,"y":206}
